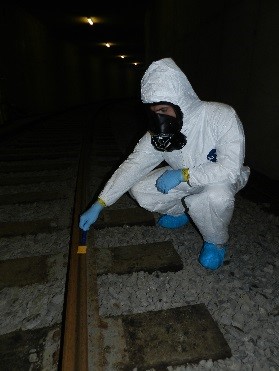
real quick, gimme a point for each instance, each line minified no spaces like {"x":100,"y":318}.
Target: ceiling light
{"x":107,"y":45}
{"x":90,"y":21}
{"x":122,"y":56}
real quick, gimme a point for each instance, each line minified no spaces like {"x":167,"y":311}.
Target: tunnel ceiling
{"x":116,"y":22}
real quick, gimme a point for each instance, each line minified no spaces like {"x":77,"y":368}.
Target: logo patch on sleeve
{"x":212,"y":156}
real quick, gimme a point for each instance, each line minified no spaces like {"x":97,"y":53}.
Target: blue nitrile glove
{"x":168,"y":180}
{"x":90,"y":216}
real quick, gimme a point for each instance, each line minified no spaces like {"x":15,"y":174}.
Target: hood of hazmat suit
{"x":215,"y":138}
{"x":165,"y":82}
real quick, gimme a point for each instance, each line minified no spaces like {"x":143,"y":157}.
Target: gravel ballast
{"x":242,"y":296}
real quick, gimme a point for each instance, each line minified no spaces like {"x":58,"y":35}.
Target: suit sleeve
{"x":228,"y":133}
{"x":140,"y":162}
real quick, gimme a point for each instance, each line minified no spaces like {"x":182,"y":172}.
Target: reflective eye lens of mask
{"x":163,"y":124}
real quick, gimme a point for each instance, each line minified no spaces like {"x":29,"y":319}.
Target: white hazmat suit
{"x":214,"y":154}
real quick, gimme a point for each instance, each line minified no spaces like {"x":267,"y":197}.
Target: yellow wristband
{"x":185,"y":174}
{"x":101,"y":202}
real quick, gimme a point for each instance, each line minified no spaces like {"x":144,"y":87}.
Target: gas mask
{"x":165,"y":131}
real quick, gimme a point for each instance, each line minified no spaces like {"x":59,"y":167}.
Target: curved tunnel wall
{"x":42,"y":73}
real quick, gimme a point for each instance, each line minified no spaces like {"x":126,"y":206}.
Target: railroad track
{"x":125,"y":302}
{"x":99,"y":158}
{"x":39,"y":171}
{"x":43,"y":189}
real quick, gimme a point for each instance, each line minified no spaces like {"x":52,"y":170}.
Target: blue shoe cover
{"x":211,"y":256}
{"x":171,"y":221}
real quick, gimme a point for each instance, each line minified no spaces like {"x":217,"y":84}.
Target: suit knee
{"x":135,"y":192}
{"x":220,"y":199}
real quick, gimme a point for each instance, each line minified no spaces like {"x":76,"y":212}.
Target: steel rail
{"x":74,"y":339}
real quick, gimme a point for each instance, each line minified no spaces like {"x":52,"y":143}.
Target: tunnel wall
{"x":41,"y":72}
{"x":227,"y":48}
{"x":229,"y":51}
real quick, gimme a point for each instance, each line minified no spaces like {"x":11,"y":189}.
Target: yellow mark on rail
{"x":81,"y":249}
